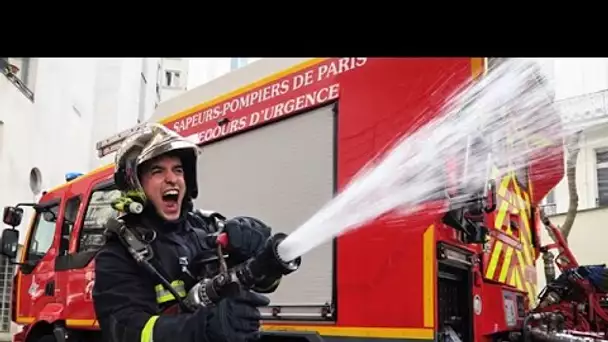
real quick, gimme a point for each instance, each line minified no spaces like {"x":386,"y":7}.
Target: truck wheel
{"x":47,"y":338}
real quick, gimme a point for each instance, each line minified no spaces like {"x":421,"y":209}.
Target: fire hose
{"x":550,"y":331}
{"x":548,"y":336}
{"x":568,"y":308}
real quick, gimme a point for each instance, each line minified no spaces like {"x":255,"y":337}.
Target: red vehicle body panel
{"x":386,"y":273}
{"x":72,"y":300}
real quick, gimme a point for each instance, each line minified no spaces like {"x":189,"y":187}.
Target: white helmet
{"x":152,"y":141}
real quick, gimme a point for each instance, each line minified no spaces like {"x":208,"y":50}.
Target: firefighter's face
{"x":164,"y":184}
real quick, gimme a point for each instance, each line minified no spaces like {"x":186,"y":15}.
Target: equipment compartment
{"x":454,"y":304}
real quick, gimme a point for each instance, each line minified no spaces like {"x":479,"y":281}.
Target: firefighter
{"x":157,"y":168}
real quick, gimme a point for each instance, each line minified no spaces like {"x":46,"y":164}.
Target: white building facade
{"x":581,"y":92}
{"x":52,"y":111}
{"x":172,"y":77}
{"x":205,"y":70}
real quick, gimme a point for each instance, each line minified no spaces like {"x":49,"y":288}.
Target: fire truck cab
{"x":280,"y":138}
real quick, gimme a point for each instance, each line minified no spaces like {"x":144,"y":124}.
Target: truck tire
{"x":47,"y":338}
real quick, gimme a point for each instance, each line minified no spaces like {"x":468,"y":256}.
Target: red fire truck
{"x":278,"y":148}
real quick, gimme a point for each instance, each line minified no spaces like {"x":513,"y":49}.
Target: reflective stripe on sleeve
{"x":147,"y":333}
{"x":163,"y":295}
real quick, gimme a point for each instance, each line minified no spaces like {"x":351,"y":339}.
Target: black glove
{"x":236,"y":318}
{"x":246,"y":237}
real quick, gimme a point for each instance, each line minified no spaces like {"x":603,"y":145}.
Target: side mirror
{"x":49,"y":216}
{"x":12,"y":216}
{"x":10,"y":243}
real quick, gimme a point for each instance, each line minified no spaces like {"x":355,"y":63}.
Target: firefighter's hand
{"x":237,"y":319}
{"x":246,"y":236}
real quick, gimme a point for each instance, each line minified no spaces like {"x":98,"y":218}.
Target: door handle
{"x":49,"y":288}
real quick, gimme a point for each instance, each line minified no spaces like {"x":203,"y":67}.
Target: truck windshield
{"x":42,"y":235}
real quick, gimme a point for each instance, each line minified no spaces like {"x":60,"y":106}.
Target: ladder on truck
{"x":110,"y":145}
{"x":302,"y":312}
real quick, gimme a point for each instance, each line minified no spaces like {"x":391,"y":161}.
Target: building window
{"x":551,"y":197}
{"x":550,"y":207}
{"x":172,"y":78}
{"x":237,"y":62}
{"x":21,"y":72}
{"x":601,"y":157}
{"x":22,"y":69}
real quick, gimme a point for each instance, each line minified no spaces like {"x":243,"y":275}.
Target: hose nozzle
{"x":259,"y":272}
{"x":269,"y":264}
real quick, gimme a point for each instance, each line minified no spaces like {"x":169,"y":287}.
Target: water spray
{"x":505,"y":120}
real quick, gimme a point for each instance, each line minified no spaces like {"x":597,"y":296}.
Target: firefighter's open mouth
{"x":170,"y":197}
